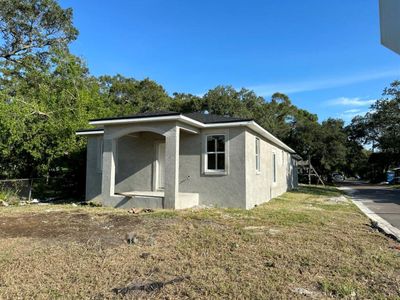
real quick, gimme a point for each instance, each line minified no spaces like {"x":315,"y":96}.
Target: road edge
{"x":381,"y":223}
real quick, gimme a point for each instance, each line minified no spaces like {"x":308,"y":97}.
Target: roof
{"x":210,"y":118}
{"x":196,"y":119}
{"x":198,"y":116}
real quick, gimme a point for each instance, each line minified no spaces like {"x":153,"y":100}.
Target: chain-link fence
{"x":14,"y":189}
{"x":44,"y":189}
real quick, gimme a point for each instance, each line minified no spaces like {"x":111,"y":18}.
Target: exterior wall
{"x":93,"y":170}
{"x":136,"y":155}
{"x":240,"y":187}
{"x":214,"y":190}
{"x":390,"y":24}
{"x":112,"y":133}
{"x":259,"y":185}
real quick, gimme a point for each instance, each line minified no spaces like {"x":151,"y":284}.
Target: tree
{"x":133,"y":96}
{"x":186,"y":103}
{"x":225,"y":101}
{"x":31,"y":27}
{"x":41,"y":113}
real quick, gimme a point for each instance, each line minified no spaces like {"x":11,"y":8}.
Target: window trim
{"x":274,"y":168}
{"x":207,"y":171}
{"x":258,"y":155}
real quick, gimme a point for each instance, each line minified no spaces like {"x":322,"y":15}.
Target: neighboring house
{"x":173,"y":160}
{"x":389,"y":11}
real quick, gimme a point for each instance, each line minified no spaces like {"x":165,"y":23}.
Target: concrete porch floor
{"x":155,"y":199}
{"x":142,"y":194}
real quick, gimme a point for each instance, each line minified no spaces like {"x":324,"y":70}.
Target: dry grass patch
{"x":298,"y":245}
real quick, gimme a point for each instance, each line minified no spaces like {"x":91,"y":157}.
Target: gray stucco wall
{"x":93,"y":172}
{"x":240,"y":187}
{"x":135,"y":166}
{"x":217,"y":190}
{"x":260,"y":186}
{"x":136,"y":155}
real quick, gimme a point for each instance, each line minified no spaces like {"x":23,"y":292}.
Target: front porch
{"x":137,"y":172}
{"x":155,"y":199}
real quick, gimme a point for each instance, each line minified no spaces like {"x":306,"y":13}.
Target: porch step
{"x":150,"y":199}
{"x":142,"y":194}
{"x":143,"y":199}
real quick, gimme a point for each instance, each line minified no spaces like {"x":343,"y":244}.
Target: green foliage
{"x":380,"y":128}
{"x":41,"y":113}
{"x":131,"y":96}
{"x":30,"y":27}
{"x":47,"y":93}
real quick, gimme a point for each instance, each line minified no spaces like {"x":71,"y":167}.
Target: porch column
{"x":108,"y":170}
{"x":171,"y":168}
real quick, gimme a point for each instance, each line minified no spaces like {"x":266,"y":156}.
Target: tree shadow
{"x":328,"y":191}
{"x":147,"y":287}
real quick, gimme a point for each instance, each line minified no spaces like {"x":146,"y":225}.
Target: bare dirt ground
{"x":305,"y":244}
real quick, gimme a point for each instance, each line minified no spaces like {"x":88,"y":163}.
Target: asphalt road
{"x":381,"y":199}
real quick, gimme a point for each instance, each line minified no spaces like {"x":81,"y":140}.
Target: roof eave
{"x":257,"y":128}
{"x":89,"y":132}
{"x":250,"y":124}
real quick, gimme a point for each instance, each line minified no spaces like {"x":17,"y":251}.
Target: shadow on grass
{"x":147,"y":287}
{"x":328,"y":191}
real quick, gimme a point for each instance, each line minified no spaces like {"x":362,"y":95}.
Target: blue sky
{"x":326,"y":55}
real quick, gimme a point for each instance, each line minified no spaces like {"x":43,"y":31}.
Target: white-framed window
{"x":273,"y":167}
{"x":215,"y":156}
{"x":283,"y":158}
{"x":258,"y":163}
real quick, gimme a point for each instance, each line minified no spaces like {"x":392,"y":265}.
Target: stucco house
{"x":173,"y":160}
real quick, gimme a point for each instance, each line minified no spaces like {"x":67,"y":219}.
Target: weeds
{"x":295,"y":245}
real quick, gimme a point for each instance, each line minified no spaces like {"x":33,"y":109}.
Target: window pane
{"x":211,"y":161}
{"x":257,"y":146}
{"x":210,"y":144}
{"x":220,"y":143}
{"x":221,"y":161}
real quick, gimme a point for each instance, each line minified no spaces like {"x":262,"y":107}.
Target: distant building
{"x":389,"y":11}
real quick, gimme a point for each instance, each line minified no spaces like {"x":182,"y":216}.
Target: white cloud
{"x":346,"y":101}
{"x":349,"y":114}
{"x":352,"y":111}
{"x":319,"y":84}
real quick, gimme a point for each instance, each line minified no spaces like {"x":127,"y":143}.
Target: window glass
{"x":221,"y":161}
{"x":221,"y":143}
{"x":215,"y":153}
{"x":211,"y":161}
{"x":210,"y":144}
{"x":258,"y":164}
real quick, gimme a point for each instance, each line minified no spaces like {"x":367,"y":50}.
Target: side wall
{"x":260,"y":186}
{"x":93,"y":169}
{"x":217,"y":190}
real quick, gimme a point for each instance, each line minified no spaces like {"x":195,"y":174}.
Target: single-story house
{"x":173,"y":160}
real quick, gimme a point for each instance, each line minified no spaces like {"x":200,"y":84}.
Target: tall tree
{"x":31,"y":27}
{"x":133,"y":96}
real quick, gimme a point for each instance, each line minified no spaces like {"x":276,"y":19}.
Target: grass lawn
{"x":298,"y":245}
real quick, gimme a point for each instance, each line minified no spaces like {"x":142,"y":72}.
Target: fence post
{"x":30,"y":189}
